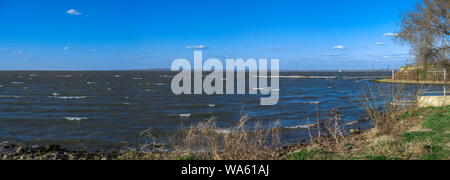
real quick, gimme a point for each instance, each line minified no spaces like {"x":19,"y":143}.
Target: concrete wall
{"x":433,"y":101}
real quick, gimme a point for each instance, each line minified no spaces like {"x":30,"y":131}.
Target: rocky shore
{"x":14,"y":151}
{"x":11,"y":151}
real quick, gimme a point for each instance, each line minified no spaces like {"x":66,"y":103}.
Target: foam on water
{"x":69,"y":97}
{"x":76,"y":119}
{"x":185,"y":115}
{"x":10,"y":96}
{"x":305,"y":126}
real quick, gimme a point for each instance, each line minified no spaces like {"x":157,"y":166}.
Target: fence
{"x":429,"y":76}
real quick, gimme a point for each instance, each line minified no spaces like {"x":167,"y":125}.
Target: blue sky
{"x":148,"y":34}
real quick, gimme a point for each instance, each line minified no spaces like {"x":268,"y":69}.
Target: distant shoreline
{"x":390,"y":81}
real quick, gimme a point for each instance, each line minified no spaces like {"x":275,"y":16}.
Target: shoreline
{"x":410,"y":139}
{"x":390,"y":81}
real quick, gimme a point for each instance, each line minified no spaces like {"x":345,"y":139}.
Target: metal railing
{"x":430,"y":76}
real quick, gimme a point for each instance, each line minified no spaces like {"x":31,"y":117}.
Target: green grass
{"x":439,"y":123}
{"x":434,"y":142}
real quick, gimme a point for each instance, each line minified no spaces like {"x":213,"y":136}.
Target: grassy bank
{"x":425,"y":136}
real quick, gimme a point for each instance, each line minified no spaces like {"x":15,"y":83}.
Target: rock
{"x":49,"y":156}
{"x":104,"y":159}
{"x":355,"y":131}
{"x":70,"y":157}
{"x":20,"y":150}
{"x":7,"y":145}
{"x":53,"y":148}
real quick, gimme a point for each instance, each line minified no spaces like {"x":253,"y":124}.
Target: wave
{"x":313,"y":102}
{"x":223,"y":131}
{"x":351,"y":123}
{"x":77,"y":119}
{"x":10,"y":96}
{"x":63,"y":76}
{"x":17,"y":82}
{"x":185,"y":115}
{"x":68,"y":97}
{"x":305,"y":126}
{"x":299,"y":77}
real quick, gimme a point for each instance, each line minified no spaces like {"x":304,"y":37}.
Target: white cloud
{"x":339,"y":47}
{"x":18,"y":52}
{"x":93,"y":50}
{"x":67,"y":48}
{"x":380,"y":43}
{"x":390,"y":34}
{"x":74,"y":12}
{"x":196,"y":47}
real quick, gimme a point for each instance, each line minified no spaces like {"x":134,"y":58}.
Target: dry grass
{"x":206,"y":141}
{"x":387,"y":107}
{"x":329,"y":133}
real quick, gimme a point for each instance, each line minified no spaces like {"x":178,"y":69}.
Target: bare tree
{"x":427,"y":30}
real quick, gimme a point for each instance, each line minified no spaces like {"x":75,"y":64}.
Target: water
{"x":108,"y":110}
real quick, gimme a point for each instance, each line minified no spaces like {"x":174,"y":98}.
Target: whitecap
{"x":351,"y":123}
{"x":9,"y":96}
{"x":313,"y":102}
{"x":69,"y":97}
{"x":185,"y":115}
{"x":89,"y":83}
{"x":212,"y":105}
{"x":117,"y":76}
{"x":223,"y":131}
{"x":17,"y":82}
{"x":137,"y":78}
{"x":159,"y":84}
{"x":63,"y":76}
{"x":305,"y":126}
{"x":77,"y":119}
